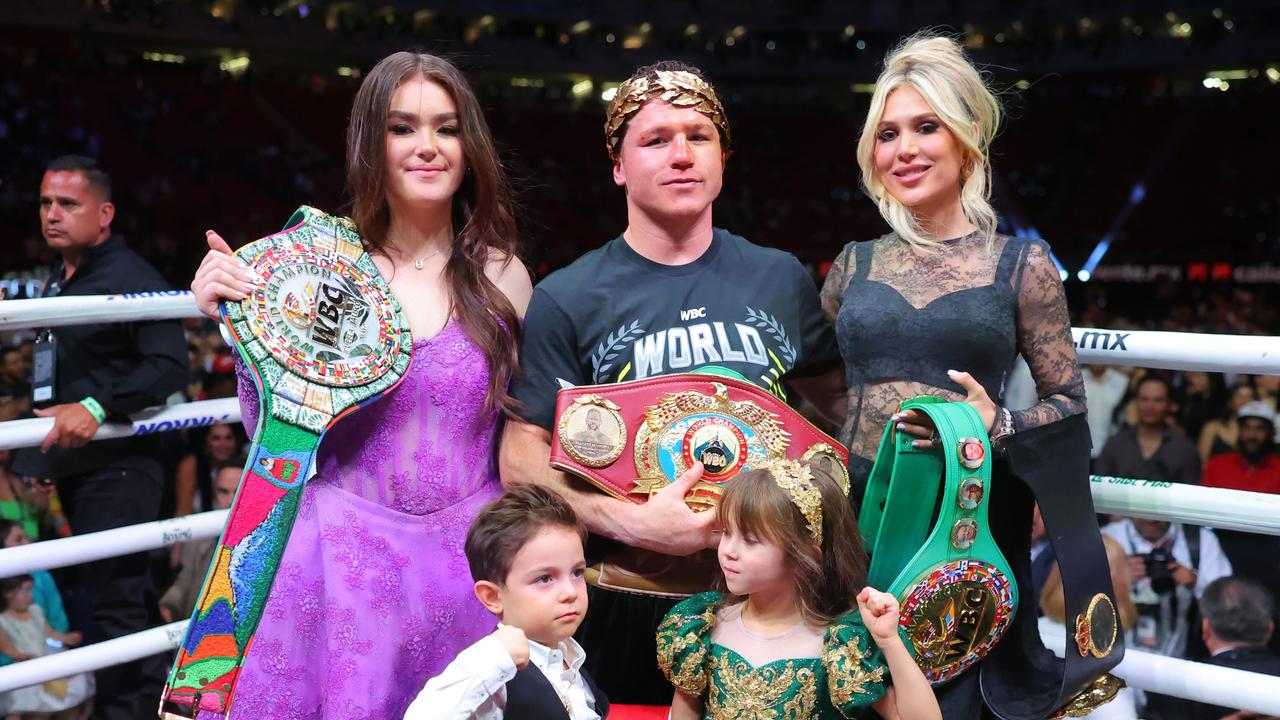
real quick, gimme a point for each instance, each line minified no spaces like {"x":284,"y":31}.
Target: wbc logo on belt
{"x":718,"y":443}
{"x":312,"y":313}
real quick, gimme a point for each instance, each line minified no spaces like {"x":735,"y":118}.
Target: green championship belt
{"x":322,"y":336}
{"x":956,"y":590}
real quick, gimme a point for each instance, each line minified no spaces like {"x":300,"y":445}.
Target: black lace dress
{"x":904,"y":317}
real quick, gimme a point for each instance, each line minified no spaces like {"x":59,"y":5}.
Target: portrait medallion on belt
{"x":592,"y":431}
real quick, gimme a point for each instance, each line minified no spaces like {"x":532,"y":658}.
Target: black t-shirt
{"x":614,"y":316}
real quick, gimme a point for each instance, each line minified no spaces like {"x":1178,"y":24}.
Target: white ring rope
{"x":143,"y":537}
{"x":1186,"y":679}
{"x":1214,"y":507}
{"x":1252,"y":354}
{"x":88,"y":309}
{"x":1218,"y":508}
{"x":92,"y":657}
{"x":31,"y":432}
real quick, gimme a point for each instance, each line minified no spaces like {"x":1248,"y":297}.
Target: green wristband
{"x":94,"y":409}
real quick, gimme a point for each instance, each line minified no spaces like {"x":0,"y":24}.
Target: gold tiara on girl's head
{"x":796,"y":479}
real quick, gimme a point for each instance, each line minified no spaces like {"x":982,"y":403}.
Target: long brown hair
{"x":828,"y":579}
{"x":483,"y":218}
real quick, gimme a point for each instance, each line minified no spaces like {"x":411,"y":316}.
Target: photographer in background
{"x":1171,"y":565}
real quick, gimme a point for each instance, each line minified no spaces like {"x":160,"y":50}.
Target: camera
{"x":1157,"y":565}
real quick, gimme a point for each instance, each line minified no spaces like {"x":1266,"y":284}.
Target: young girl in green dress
{"x":795,"y":634}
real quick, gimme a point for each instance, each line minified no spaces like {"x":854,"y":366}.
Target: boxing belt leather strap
{"x":1021,"y":680}
{"x":634,"y":438}
{"x":322,"y":335}
{"x":956,"y":590}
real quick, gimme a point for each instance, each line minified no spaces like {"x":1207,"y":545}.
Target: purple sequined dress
{"x":373,"y":596}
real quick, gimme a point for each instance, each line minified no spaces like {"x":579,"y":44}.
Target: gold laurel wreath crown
{"x":677,"y":87}
{"x":796,"y":479}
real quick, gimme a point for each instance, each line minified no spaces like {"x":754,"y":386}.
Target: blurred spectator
{"x":1043,"y":558}
{"x":198,"y":470}
{"x":1201,"y":397}
{"x":1104,"y":390}
{"x":1219,"y":434}
{"x":1267,"y":388}
{"x":99,"y":371}
{"x":1051,"y":597}
{"x":1151,"y":450}
{"x":19,"y":502}
{"x":24,"y":635}
{"x":1171,"y":565}
{"x":194,"y":390}
{"x":219,"y":380}
{"x":1239,"y":620}
{"x":180,"y":599}
{"x":10,"y":403}
{"x":1020,"y":386}
{"x":1053,"y":605}
{"x":44,"y":588}
{"x":1254,"y":466}
{"x":14,"y":382}
{"x":1169,"y":570}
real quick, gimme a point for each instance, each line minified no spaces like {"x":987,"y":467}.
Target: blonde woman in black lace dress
{"x":943,"y":304}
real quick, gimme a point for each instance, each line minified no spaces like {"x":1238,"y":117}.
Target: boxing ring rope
{"x":202,"y":413}
{"x":92,"y":657}
{"x":1216,"y":507}
{"x":88,"y":309}
{"x":1185,"y":679}
{"x":1251,"y":354}
{"x":77,"y":549}
{"x":1225,"y":509}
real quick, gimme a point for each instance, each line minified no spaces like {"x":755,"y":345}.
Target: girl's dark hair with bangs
{"x":483,"y":207}
{"x":828,"y":578}
{"x":8,"y":585}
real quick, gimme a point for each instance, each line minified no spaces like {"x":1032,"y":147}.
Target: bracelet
{"x":95,"y":409}
{"x":1002,"y":426}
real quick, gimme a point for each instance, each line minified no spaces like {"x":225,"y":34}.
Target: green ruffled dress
{"x":849,"y":676}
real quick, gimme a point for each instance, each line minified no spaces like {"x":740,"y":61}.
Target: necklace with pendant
{"x":417,"y":264}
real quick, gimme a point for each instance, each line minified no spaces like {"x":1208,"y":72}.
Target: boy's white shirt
{"x":474,"y":685}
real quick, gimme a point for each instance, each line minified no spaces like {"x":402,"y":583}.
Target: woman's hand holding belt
{"x":918,"y":424}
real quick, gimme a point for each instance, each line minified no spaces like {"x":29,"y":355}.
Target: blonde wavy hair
{"x":937,"y":68}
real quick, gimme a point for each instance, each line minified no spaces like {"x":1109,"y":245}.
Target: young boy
{"x":525,"y":553}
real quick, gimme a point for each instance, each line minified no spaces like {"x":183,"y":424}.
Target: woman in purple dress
{"x":374,"y":596}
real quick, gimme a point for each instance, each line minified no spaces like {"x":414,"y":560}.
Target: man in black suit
{"x":1239,"y":617}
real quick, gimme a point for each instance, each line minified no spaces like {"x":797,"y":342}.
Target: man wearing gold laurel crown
{"x":672,"y":294}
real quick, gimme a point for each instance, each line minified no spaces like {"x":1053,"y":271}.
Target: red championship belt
{"x":634,"y":438}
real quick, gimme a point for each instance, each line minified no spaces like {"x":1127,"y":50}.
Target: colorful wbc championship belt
{"x":956,"y":590}
{"x":632,"y":439}
{"x":323,"y":336}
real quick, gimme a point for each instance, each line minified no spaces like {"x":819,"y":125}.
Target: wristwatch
{"x":1002,"y":426}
